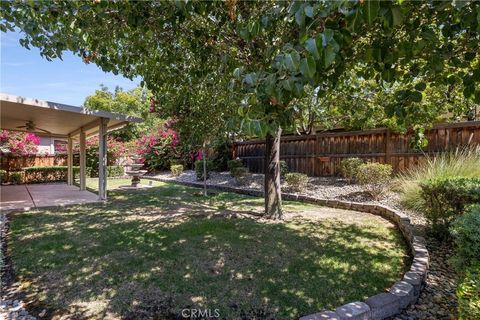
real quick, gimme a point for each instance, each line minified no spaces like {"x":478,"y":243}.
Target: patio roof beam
{"x":88,"y":126}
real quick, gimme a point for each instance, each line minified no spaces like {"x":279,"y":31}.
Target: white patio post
{"x":102,"y":159}
{"x":83,"y":159}
{"x":70,"y":161}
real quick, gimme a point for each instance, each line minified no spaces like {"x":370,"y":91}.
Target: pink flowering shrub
{"x":158,"y":149}
{"x":115,"y":150}
{"x":19,"y":143}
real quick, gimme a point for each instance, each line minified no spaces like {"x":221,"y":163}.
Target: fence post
{"x":387,"y":146}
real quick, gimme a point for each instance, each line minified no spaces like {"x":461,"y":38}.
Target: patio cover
{"x":64,"y":121}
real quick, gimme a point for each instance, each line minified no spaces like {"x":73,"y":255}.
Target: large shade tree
{"x":273,"y":50}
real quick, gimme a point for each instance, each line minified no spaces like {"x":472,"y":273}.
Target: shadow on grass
{"x":137,"y":258}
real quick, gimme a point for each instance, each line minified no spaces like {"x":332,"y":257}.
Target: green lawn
{"x":149,"y":254}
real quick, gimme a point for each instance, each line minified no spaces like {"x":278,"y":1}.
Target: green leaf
{"x":309,"y":11}
{"x":308,"y":67}
{"x":300,"y":17}
{"x":355,"y":20}
{"x":329,"y":56}
{"x":397,"y":16}
{"x":295,"y":58}
{"x":249,"y":79}
{"x":387,"y":75}
{"x":288,"y":84}
{"x":254,"y":28}
{"x":311,"y":46}
{"x":476,"y":99}
{"x":327,"y":36}
{"x":420,"y":86}
{"x":416,"y":96}
{"x":370,"y":10}
{"x":469,"y":91}
{"x":237,"y":73}
{"x":476,"y":75}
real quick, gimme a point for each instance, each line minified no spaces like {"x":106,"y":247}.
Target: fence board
{"x":321,"y":154}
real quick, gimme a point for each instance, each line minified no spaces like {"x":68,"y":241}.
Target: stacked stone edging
{"x":380,"y":306}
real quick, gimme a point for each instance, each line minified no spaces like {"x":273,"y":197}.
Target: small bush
{"x":46,"y":174}
{"x":375,"y":178}
{"x":113,"y":171}
{"x":16,"y":177}
{"x":199,"y":169}
{"x":446,"y":198}
{"x":283,"y":168}
{"x":468,"y":294}
{"x":466,"y":233}
{"x":76,"y":172}
{"x":176,"y":170}
{"x":240,"y":174}
{"x":296,"y":181}
{"x":461,"y":163}
{"x":349,"y":168}
{"x":235,"y":163}
{"x":3,"y":176}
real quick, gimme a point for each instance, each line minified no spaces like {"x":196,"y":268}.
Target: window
{"x":59,"y":146}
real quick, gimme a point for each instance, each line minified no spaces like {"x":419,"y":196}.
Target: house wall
{"x":47,"y":145}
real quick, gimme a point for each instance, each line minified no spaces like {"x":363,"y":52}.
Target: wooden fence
{"x":321,"y":154}
{"x":13,"y":163}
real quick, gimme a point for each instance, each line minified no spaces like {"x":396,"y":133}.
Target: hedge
{"x":59,"y":173}
{"x":447,"y":198}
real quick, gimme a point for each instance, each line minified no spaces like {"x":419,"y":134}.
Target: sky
{"x":25,"y":73}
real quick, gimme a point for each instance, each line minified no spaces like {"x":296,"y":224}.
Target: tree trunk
{"x":204,"y":151}
{"x":273,"y":193}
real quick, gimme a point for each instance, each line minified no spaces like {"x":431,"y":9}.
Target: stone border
{"x":383,"y":305}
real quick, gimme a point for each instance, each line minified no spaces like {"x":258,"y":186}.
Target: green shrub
{"x":375,"y":178}
{"x":240,"y":174}
{"x":468,"y":294}
{"x":176,"y":170}
{"x":113,"y":171}
{"x":16,"y":177}
{"x":199,"y":168}
{"x":461,"y":163}
{"x":45,"y":174}
{"x":446,"y":198}
{"x":221,"y":154}
{"x":349,"y":168}
{"x":466,"y":234}
{"x":283,"y":168}
{"x":296,"y":181}
{"x":88,"y":172}
{"x":232,"y":164}
{"x":3,"y":176}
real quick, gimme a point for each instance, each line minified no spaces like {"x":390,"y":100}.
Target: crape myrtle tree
{"x":134,"y":102}
{"x":272,"y":50}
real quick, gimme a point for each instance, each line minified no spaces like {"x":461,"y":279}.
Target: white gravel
{"x":318,"y":187}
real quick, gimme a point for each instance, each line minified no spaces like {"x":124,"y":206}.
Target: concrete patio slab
{"x":15,"y":197}
{"x":24,"y":197}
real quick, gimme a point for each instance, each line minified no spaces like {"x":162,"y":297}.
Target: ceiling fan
{"x":30,"y":127}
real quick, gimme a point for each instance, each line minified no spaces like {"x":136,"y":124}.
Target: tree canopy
{"x":274,"y":49}
{"x":134,"y":102}
{"x":264,"y":53}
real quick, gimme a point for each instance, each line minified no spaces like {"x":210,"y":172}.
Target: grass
{"x":151,"y":253}
{"x":461,"y":163}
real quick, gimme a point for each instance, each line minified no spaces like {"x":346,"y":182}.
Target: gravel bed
{"x":437,"y":301}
